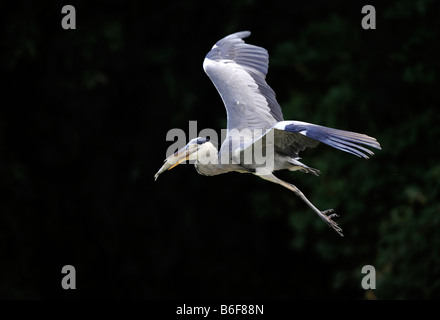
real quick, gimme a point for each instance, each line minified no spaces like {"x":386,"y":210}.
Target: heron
{"x":238,"y":71}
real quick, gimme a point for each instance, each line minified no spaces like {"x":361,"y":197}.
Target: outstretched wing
{"x":306,"y":135}
{"x":291,"y":137}
{"x":238,"y":71}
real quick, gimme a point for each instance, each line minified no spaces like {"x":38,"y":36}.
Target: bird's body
{"x":258,"y":139}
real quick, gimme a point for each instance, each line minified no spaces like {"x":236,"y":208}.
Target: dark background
{"x":83,"y":123}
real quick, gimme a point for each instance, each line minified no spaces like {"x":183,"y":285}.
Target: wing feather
{"x":238,"y":71}
{"x":347,"y":141}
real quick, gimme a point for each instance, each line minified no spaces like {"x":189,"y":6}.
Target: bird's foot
{"x":328,"y":215}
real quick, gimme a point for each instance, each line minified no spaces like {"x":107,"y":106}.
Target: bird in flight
{"x":255,"y":122}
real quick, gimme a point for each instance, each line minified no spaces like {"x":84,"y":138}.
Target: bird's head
{"x":196,"y":149}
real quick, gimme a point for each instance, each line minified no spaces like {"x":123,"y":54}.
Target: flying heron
{"x":238,"y":71}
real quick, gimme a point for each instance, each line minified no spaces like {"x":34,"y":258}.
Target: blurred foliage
{"x":83,"y":127}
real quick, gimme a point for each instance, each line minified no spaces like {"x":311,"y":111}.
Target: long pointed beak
{"x":173,"y":160}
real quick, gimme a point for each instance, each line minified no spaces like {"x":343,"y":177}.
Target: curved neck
{"x":210,"y":169}
{"x":208,"y":161}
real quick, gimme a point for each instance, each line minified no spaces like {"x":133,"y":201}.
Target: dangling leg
{"x":325,"y":215}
